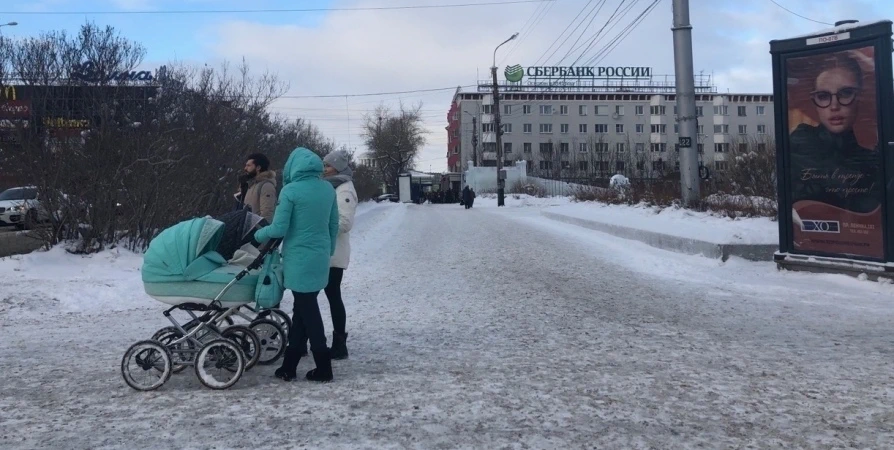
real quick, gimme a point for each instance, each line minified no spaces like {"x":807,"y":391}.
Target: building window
{"x":546,"y":147}
{"x":546,"y":165}
{"x":546,"y":110}
{"x":659,"y":129}
{"x":700,"y":111}
{"x":657,"y":165}
{"x":600,"y":128}
{"x":507,"y":127}
{"x":619,"y":110}
{"x":456,"y":150}
{"x":741,"y":111}
{"x":743,"y":129}
{"x":640,"y":165}
{"x":640,"y":147}
{"x":640,"y":128}
{"x":619,"y":128}
{"x":760,"y":110}
{"x":621,"y":147}
{"x":602,"y":166}
{"x":546,"y":128}
{"x":527,"y":128}
{"x":583,"y":147}
{"x":761,"y":129}
{"x":701,"y":148}
{"x":743,"y":148}
{"x":601,"y":110}
{"x":529,"y":166}
{"x":563,"y":110}
{"x":701,"y":130}
{"x":675,"y":110}
{"x":619,"y":166}
{"x":721,"y":110}
{"x":507,"y":109}
{"x":487,"y":109}
{"x":720,"y":165}
{"x":677,"y":166}
{"x":676,"y":128}
{"x":563,"y":147}
{"x":487,"y":127}
{"x":721,"y":148}
{"x":526,"y":147}
{"x":583,"y":128}
{"x":566,"y":165}
{"x":563,"y":128}
{"x":582,"y":166}
{"x":582,"y":110}
{"x":721,"y":129}
{"x":526,"y":109}
{"x":657,"y":110}
{"x":601,"y":147}
{"x":761,"y":147}
{"x":658,"y":148}
{"x":507,"y":148}
{"x":640,"y":110}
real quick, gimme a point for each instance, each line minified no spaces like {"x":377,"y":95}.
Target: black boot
{"x":289,"y":368}
{"x":323,"y":372}
{"x":339,"y":348}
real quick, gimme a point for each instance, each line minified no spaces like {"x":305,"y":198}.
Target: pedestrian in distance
{"x":471,"y":197}
{"x":338,"y":172}
{"x":467,"y":197}
{"x":307,"y":219}
{"x":259,"y":188}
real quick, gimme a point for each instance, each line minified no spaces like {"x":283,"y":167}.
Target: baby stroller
{"x":183,"y":268}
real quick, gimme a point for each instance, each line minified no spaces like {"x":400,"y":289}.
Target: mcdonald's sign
{"x":9,"y":92}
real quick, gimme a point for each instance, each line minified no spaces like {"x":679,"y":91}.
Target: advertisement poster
{"x":836,"y":179}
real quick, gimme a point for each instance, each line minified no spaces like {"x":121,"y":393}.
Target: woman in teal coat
{"x":306,"y":217}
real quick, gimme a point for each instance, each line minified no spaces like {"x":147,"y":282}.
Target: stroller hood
{"x":184,"y":252}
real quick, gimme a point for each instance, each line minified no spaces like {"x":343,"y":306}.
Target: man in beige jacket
{"x":261,"y":193}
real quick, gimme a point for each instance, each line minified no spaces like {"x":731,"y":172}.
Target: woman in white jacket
{"x":337,"y":171}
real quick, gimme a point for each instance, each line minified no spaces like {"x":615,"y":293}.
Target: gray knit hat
{"x":338,"y":160}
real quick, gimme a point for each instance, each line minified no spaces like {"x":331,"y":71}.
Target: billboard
{"x":833,"y":121}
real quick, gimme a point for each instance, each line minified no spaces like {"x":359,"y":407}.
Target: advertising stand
{"x":834,"y":105}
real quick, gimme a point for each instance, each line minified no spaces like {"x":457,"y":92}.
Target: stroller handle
{"x":264,"y":249}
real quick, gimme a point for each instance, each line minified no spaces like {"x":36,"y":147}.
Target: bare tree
{"x":394,"y":139}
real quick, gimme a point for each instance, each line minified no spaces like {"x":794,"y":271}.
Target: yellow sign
{"x":9,"y":92}
{"x":59,"y":122}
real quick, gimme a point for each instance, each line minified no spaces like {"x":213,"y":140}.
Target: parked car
{"x":387,"y":197}
{"x":21,"y":206}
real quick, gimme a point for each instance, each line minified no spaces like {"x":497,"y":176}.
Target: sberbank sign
{"x":516,"y":73}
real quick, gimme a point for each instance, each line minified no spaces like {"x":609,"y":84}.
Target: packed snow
{"x":482,"y":328}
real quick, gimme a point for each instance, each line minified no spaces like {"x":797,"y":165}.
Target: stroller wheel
{"x":273,"y":340}
{"x":282,"y":319}
{"x":219,"y":364}
{"x":247,"y":341}
{"x":182,"y":353}
{"x":146,"y":365}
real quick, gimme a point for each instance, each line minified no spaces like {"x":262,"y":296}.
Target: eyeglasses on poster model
{"x":845,"y":96}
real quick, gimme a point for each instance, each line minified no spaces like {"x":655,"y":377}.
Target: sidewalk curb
{"x":752,"y":252}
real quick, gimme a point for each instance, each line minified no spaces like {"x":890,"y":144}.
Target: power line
{"x":803,"y":17}
{"x":598,"y":36}
{"x":253,"y":11}
{"x":563,"y":33}
{"x":616,"y":41}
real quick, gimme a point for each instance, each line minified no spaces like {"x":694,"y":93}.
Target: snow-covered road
{"x":483,"y":328}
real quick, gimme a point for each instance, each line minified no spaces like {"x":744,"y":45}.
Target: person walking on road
{"x":467,"y":197}
{"x":337,"y":171}
{"x":471,"y":197}
{"x":260,"y":189}
{"x":307,"y":218}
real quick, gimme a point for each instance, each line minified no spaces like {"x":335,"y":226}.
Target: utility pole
{"x":475,"y":141}
{"x":498,"y":129}
{"x":685,"y":82}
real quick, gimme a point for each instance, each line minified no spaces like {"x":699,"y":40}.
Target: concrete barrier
{"x":753,"y":252}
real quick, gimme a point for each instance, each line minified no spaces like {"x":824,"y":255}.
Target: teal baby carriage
{"x":185,"y":269}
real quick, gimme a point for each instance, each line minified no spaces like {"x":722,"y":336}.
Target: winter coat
{"x":347,"y":206}
{"x":307,"y":218}
{"x":261,"y":195}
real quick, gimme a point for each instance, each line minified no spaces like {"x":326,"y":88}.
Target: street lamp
{"x":9,"y":24}
{"x":498,"y":129}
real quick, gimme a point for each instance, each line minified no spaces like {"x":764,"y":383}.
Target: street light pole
{"x":685,"y":80}
{"x":498,"y":129}
{"x":474,"y":138}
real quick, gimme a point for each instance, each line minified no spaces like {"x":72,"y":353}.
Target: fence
{"x":484,"y":181}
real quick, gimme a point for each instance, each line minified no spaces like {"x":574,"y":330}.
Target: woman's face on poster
{"x":836,"y":99}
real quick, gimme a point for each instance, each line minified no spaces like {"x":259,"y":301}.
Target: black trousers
{"x":336,"y":304}
{"x":307,"y":323}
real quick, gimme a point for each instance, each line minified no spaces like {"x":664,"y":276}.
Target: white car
{"x":20,"y":206}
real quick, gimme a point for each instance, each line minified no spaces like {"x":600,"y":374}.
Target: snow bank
{"x":56,"y":281}
{"x":519,"y":201}
{"x":677,"y":222}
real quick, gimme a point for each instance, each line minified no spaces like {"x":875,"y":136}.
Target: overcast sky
{"x":358,"y":52}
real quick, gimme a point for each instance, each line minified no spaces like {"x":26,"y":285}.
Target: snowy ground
{"x":483,"y":328}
